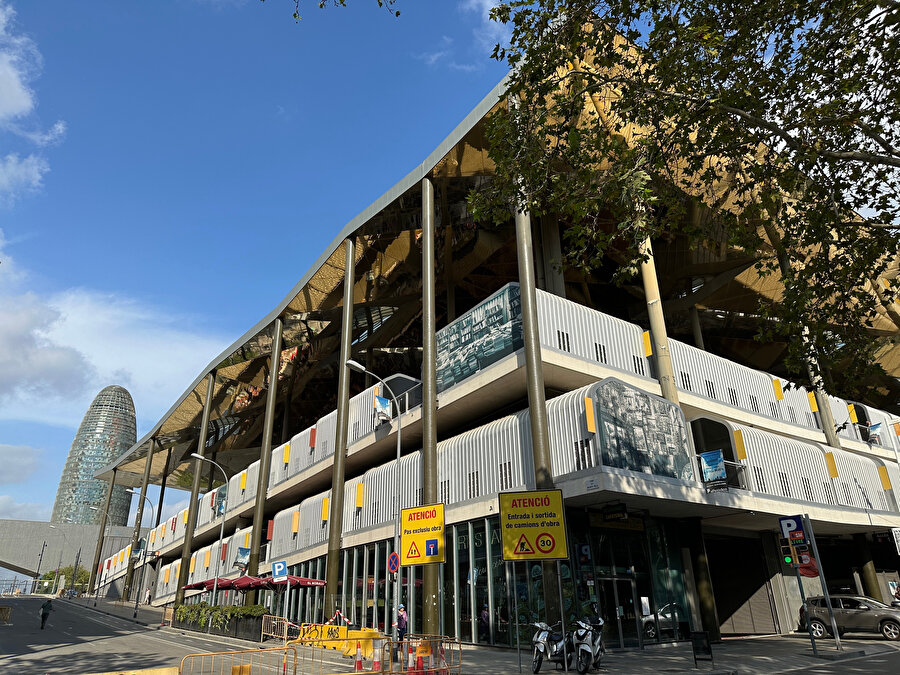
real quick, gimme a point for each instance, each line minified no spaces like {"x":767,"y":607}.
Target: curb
{"x":117,"y":616}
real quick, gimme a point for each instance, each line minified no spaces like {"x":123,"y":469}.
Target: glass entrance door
{"x":618,"y":606}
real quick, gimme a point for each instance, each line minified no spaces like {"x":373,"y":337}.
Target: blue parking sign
{"x":279,"y":570}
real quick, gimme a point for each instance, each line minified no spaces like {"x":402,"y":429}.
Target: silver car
{"x":852,"y":614}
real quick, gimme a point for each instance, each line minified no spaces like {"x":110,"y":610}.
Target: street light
{"x":360,"y":368}
{"x":197,"y":455}
{"x":59,"y":562}
{"x":99,"y":578}
{"x":137,"y":596}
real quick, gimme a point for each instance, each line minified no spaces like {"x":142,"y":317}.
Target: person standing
{"x":46,"y":608}
{"x":484,"y":625}
{"x":402,"y":622}
{"x":147,"y":597}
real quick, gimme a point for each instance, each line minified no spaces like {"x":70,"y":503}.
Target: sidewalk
{"x":762,"y":655}
{"x":147,"y":615}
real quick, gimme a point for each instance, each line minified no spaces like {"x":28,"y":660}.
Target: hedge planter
{"x":244,"y":623}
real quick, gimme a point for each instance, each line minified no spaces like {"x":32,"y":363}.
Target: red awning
{"x":293,"y":581}
{"x":223,"y":584}
{"x":245,"y":583}
{"x":196,"y":586}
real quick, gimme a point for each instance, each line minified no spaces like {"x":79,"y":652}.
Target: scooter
{"x":555,"y":647}
{"x":587,"y":642}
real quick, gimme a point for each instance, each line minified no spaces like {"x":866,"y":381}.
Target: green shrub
{"x":199,"y":614}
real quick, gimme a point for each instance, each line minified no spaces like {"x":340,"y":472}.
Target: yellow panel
{"x":193,"y":563}
{"x":166,"y":578}
{"x":185,"y":516}
{"x":811,"y":395}
{"x":128,"y":552}
{"x":648,"y":346}
{"x":897,"y":428}
{"x":885,"y":479}
{"x":287,"y":453}
{"x":832,"y":466}
{"x":206,"y":558}
{"x":121,"y":555}
{"x":739,"y":448}
{"x":325,"y":509}
{"x":243,"y":480}
{"x":589,"y":414}
{"x":375,"y":391}
{"x":152,"y":536}
{"x":852,"y":410}
{"x":360,"y":487}
{"x":246,"y":540}
{"x":295,"y":524}
{"x":779,"y":393}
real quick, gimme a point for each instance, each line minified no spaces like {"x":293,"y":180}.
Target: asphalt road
{"x":887,"y":663}
{"x":79,"y":640}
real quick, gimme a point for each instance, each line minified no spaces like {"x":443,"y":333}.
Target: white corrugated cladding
{"x":166,"y":588}
{"x":887,"y":437}
{"x":201,"y":572}
{"x":325,"y":430}
{"x":249,"y":478}
{"x":302,"y":455}
{"x":858,"y":483}
{"x":240,"y":539}
{"x":841,"y":414}
{"x":207,"y":508}
{"x":894,"y":475}
{"x":571,"y":444}
{"x":719,"y":379}
{"x":795,"y":405}
{"x":592,"y":335}
{"x":362,"y":413}
{"x":278,"y":468}
{"x":380,"y":490}
{"x":777,"y":465}
{"x":177,"y":525}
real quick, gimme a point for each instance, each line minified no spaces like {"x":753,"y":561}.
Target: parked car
{"x":852,"y":614}
{"x":667,"y":622}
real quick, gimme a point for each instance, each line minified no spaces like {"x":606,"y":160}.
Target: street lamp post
{"x":37,"y":577}
{"x":59,"y":563}
{"x":103,"y":534}
{"x":359,"y":368}
{"x":197,"y":455}
{"x":137,"y":596}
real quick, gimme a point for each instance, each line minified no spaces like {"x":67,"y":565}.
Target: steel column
{"x":430,"y":582}
{"x":100,"y":535}
{"x":265,"y":457}
{"x":336,"y":515}
{"x":162,"y":487}
{"x":665,"y":374}
{"x":183,"y":568}
{"x":136,"y":535}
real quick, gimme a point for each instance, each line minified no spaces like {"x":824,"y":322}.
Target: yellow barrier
{"x":281,"y":660}
{"x":324,"y":633}
{"x":146,"y":671}
{"x":365,"y":638}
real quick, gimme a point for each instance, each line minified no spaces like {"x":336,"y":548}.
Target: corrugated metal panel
{"x":200,"y":573}
{"x":165,"y":589}
{"x":207,"y":513}
{"x":362,"y":413}
{"x":325,"y":429}
{"x":894,"y":475}
{"x":778,"y":466}
{"x":885,"y":437}
{"x":238,"y":497}
{"x":858,"y":483}
{"x":572,"y":446}
{"x":231,"y":550}
{"x":719,"y":379}
{"x":841,"y":414}
{"x":795,"y":404}
{"x":569,"y":327}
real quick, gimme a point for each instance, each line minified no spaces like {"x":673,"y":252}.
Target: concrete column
{"x":663,"y":359}
{"x":184,"y":568}
{"x":552,"y":256}
{"x":431,"y":620}
{"x":869,"y":576}
{"x":100,"y":535}
{"x":265,"y":458}
{"x":691,"y":535}
{"x":336,"y":507}
{"x":162,"y":487}
{"x":537,"y":405}
{"x":136,"y":535}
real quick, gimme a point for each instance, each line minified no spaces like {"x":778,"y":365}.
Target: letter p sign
{"x":790,"y":524}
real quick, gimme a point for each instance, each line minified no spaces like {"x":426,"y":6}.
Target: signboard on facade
{"x":422,"y":535}
{"x":712,"y":468}
{"x":533,"y":526}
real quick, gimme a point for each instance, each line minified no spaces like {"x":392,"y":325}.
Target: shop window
{"x":600,"y":352}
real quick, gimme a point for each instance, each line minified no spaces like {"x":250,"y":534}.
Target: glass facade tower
{"x":107,"y":430}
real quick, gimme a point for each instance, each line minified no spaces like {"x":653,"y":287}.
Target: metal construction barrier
{"x":274,"y":627}
{"x":283,"y":660}
{"x":327,"y":657}
{"x":424,"y":655}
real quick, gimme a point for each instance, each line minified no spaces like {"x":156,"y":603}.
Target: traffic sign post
{"x":422,"y":535}
{"x":533,"y":526}
{"x":393,"y":562}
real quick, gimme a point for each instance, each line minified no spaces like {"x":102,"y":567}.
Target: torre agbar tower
{"x":107,"y":430}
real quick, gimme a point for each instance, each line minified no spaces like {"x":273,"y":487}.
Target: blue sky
{"x":154,"y":156}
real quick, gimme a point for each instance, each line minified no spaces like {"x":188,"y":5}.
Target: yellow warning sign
{"x":422,"y":535}
{"x":533,"y":526}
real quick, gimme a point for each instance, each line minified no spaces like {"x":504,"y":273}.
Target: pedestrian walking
{"x":46,"y":608}
{"x":147,"y":597}
{"x":402,"y":622}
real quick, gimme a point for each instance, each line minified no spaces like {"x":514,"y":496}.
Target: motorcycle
{"x":550,"y":645}
{"x":587,"y":642}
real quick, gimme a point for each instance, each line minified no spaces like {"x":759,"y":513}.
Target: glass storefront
{"x":628,"y":567}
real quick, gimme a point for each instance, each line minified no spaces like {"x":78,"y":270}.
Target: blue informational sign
{"x":712,"y":468}
{"x":431,"y":547}
{"x":382,"y":409}
{"x":279,"y":570}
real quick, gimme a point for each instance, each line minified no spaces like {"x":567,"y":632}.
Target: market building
{"x":506,"y":373}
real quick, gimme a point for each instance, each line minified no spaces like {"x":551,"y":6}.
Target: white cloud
{"x":18,"y":176}
{"x":20,"y":63}
{"x":19,"y":463}
{"x":488,"y":33}
{"x":10,"y":509}
{"x":58,"y":351}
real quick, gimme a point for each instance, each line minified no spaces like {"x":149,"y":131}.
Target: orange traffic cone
{"x":420,"y":667}
{"x":410,"y":660}
{"x":376,"y":655}
{"x":358,"y":666}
